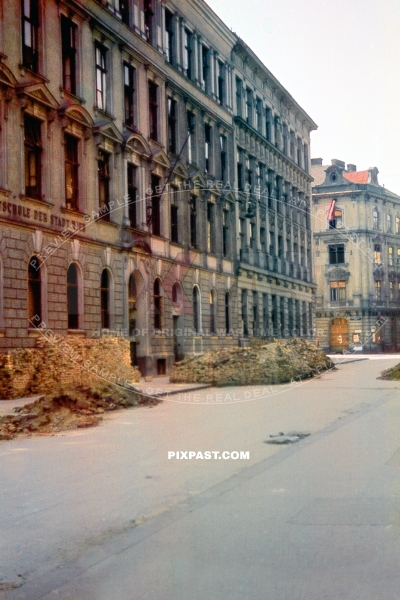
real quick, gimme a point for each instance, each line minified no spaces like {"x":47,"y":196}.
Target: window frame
{"x":72,"y":165}
{"x":69,"y":54}
{"x":153,"y":106}
{"x":30,"y":24}
{"x":33,"y":151}
{"x":101,"y":71}
{"x":104,"y":182}
{"x":129,"y":73}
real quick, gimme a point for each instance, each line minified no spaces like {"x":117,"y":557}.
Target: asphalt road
{"x":102,"y":514}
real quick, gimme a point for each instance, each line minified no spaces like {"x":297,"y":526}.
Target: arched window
{"x":196,"y":309}
{"x":158,"y":304}
{"x":389,"y":223}
{"x":34,"y":292}
{"x":213,"y":312}
{"x":227,"y":313}
{"x":105,"y":299}
{"x":132,"y":298}
{"x":72,"y":297}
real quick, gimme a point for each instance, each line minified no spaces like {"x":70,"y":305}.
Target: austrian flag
{"x":331,"y":210}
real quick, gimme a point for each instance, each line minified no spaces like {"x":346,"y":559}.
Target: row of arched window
{"x":74,"y":301}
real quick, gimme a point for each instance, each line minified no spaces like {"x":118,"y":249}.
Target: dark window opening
{"x":223,"y":156}
{"x":207,"y":147}
{"x":71,"y":172}
{"x":187,"y":53}
{"x":33,"y":157}
{"x":105,"y":299}
{"x":220,"y":82}
{"x":169,"y":35}
{"x":68,"y":42}
{"x":153,"y":110}
{"x":34,"y":292}
{"x":196,"y":310}
{"x":72,"y":297}
{"x":129,"y":95}
{"x":213,"y":325}
{"x":155,"y":206}
{"x":193,"y":222}
{"x":225,"y":233}
{"x":336,"y":254}
{"x":158,"y":308}
{"x":227,"y":313}
{"x":103,"y":168}
{"x":148,"y":19}
{"x":172,"y":112}
{"x":210,"y":227}
{"x":174,"y":225}
{"x":132,"y":195}
{"x":205,"y":61}
{"x":30,"y":34}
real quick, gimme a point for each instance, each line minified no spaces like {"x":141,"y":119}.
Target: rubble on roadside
{"x":278,"y":361}
{"x":69,"y":409}
{"x":392,"y":374}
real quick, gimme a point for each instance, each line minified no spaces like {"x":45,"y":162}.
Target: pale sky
{"x":340,"y":62}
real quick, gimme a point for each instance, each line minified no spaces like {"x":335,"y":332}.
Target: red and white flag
{"x":331,"y":210}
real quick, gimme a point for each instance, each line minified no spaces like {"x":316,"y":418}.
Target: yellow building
{"x":356,"y":225}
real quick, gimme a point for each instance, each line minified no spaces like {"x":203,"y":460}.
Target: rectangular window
{"x":172,"y":112}
{"x":153,"y":110}
{"x":239,"y":163}
{"x":207,"y":147}
{"x":223,"y":156}
{"x":33,"y":157}
{"x":220,"y":82}
{"x":268,"y":123}
{"x":336,"y":254}
{"x":242,"y":237}
{"x":259,"y":115}
{"x":174,"y":224}
{"x":255,"y":312}
{"x":377,"y":253}
{"x":291,"y":137}
{"x":389,"y":223}
{"x":148,"y":19}
{"x":239,"y":94}
{"x":129,"y":95}
{"x":210,"y":227}
{"x":30,"y":34}
{"x":71,"y":172}
{"x":193,"y":221}
{"x":155,"y":206}
{"x":249,"y":106}
{"x":338,"y":291}
{"x":132,"y":193}
{"x":263,"y":240}
{"x":397,"y":224}
{"x":68,"y":53}
{"x":191,"y":135}
{"x":103,"y":166}
{"x":169,"y":36}
{"x":253,"y":236}
{"x":225,"y":233}
{"x":101,"y":77}
{"x":174,"y":204}
{"x":305,"y":154}
{"x":390,"y":256}
{"x":120,"y":9}
{"x":187,"y":53}
{"x":391,"y":290}
{"x":249,"y":173}
{"x":205,"y":67}
{"x":378,"y":290}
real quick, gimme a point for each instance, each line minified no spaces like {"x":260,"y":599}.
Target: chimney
{"x":316,"y":162}
{"x":351,"y":168}
{"x":338,"y":163}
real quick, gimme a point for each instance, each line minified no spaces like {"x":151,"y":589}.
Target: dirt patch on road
{"x":66,"y":410}
{"x":279,"y":361}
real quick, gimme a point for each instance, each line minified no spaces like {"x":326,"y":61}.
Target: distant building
{"x":356,"y":225}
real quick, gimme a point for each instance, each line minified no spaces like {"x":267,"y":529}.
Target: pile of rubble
{"x":392,"y":374}
{"x":279,"y":361}
{"x":83,"y":407}
{"x":68,"y":362}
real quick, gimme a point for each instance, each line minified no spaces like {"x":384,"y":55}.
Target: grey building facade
{"x":119,"y":209}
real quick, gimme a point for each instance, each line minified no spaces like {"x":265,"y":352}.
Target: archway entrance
{"x":339,"y":335}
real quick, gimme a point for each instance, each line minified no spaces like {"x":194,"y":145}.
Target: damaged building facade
{"x":119,"y":139}
{"x":356,"y":224}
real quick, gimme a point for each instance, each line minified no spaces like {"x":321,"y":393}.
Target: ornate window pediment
{"x":337,"y":274}
{"x":37,"y":93}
